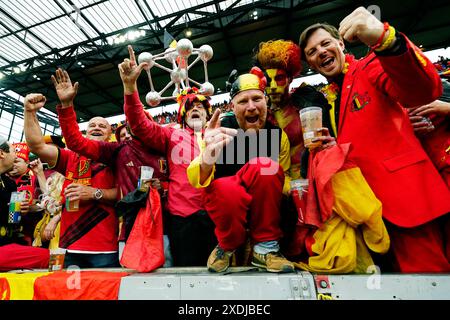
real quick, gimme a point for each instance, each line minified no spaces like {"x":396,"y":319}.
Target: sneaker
{"x":219,"y":260}
{"x":273,"y":262}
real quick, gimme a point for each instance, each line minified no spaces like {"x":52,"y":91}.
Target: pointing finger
{"x":215,"y":122}
{"x":131,"y":52}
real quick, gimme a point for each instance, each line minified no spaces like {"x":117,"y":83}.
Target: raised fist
{"x":361,"y":25}
{"x":34,"y":102}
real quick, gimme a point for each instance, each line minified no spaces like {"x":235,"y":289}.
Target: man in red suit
{"x":367,"y":98}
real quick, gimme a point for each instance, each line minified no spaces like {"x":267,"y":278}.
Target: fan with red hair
{"x":280,"y":54}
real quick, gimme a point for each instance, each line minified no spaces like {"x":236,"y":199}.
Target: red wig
{"x":280,"y":54}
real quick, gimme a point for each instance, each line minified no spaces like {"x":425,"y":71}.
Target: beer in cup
{"x":56,"y":262}
{"x":311,"y":119}
{"x":72,"y":205}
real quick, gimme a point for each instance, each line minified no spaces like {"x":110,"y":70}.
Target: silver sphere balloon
{"x":153,"y":98}
{"x":146,"y":57}
{"x":185,"y":47}
{"x":206,"y":52}
{"x":207,"y":89}
{"x":176,"y":76}
{"x":170,"y":55}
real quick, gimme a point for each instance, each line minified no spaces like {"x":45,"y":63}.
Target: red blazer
{"x":384,"y":145}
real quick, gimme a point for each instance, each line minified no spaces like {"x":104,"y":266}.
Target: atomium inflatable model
{"x":178,"y":58}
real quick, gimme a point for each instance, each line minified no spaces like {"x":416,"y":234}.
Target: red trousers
{"x":15,"y":256}
{"x":423,"y":249}
{"x":250,"y":200}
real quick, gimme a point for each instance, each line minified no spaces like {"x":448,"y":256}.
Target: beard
{"x":195,"y":124}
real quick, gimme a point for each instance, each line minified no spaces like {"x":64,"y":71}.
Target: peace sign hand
{"x":129,"y":71}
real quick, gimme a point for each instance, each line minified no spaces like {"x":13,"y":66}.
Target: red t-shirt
{"x":94,"y":227}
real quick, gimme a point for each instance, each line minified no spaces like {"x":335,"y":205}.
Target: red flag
{"x":322,"y":166}
{"x":78,"y":285}
{"x":346,"y":213}
{"x":144,"y":250}
{"x":5,"y":290}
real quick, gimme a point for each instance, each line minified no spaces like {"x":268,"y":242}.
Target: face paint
{"x":278,"y":85}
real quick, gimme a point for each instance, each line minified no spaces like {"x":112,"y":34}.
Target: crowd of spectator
{"x":224,"y":181}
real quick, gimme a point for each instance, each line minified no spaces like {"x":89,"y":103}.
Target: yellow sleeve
{"x":193,"y":171}
{"x":285,"y":161}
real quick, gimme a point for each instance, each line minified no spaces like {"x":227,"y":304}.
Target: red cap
{"x":22,"y":150}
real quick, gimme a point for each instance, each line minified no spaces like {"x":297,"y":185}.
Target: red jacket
{"x":385,"y":148}
{"x":437,"y":145}
{"x":125,"y":158}
{"x":180,"y":146}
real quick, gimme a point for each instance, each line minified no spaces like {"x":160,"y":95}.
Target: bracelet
{"x":380,"y":39}
{"x":388,"y":41}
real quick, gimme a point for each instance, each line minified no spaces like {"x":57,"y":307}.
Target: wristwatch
{"x":98,"y":194}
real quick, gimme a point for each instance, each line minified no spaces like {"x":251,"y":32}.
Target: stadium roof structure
{"x":89,"y":38}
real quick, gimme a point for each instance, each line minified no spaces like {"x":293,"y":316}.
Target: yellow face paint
{"x":278,"y":84}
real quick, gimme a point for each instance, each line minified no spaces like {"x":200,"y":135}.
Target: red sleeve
{"x":152,"y":135}
{"x":409,"y":78}
{"x":95,"y":150}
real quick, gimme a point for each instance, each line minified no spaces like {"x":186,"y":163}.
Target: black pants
{"x":87,"y":260}
{"x":191,"y":239}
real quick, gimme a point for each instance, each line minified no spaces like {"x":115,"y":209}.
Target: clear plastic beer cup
{"x":311,"y":119}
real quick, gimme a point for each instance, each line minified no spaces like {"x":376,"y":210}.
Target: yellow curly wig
{"x":279,"y":54}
